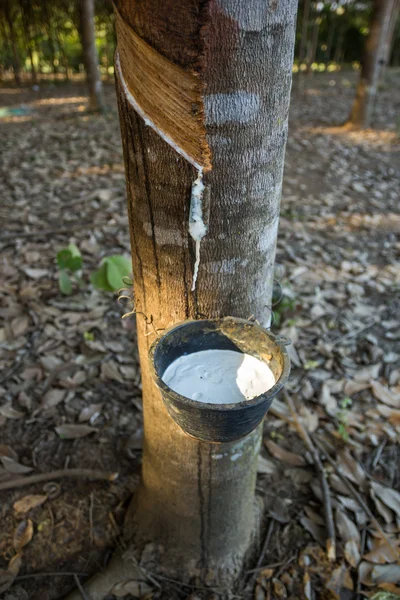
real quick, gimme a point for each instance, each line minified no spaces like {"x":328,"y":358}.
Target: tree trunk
{"x":13,"y":43}
{"x":96,"y":98}
{"x":314,"y":45}
{"x":205,"y":95}
{"x":329,"y":43}
{"x":218,"y":87}
{"x":304,"y":31}
{"x":374,"y":57}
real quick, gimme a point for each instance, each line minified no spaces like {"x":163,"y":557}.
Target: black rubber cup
{"x":219,"y":422}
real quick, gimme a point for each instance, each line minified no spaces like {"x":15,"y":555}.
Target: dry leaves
{"x":27,"y":503}
{"x":284,"y":455}
{"x":72,"y":432}
{"x":23,"y":534}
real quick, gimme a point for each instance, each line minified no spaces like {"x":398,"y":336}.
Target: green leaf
{"x":63,"y":257}
{"x":118,"y":267}
{"x":70,"y":258}
{"x":74,"y":250}
{"x":74,"y":263}
{"x":109,"y":276}
{"x":65,"y":283}
{"x":99,"y":279}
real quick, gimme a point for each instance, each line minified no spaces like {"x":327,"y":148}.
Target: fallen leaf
{"x":14,"y":565}
{"x":89,"y":411}
{"x":129,"y":373}
{"x":20,"y":325}
{"x":279,"y":588}
{"x":368,"y":373}
{"x":318,"y":533}
{"x":50,"y":363}
{"x":347,"y":529}
{"x":296,"y":460}
{"x":350,"y":468}
{"x":386,"y":574}
{"x":109,"y":370}
{"x":352,"y":553}
{"x":340,"y":579}
{"x":36,"y":273}
{"x":131,"y":586}
{"x":381,"y":553}
{"x":72,"y":432}
{"x":52,"y":398}
{"x":23,"y":534}
{"x":27,"y":503}
{"x":389,"y":496}
{"x":12,"y":466}
{"x":385,"y":395}
{"x":259,"y":593}
{"x":265,"y":466}
{"x":8,"y":451}
{"x":307,"y":587}
{"x":10,"y":413}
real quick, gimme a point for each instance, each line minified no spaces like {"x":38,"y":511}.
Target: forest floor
{"x":70,"y":385}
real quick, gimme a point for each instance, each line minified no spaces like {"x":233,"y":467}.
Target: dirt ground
{"x":70,"y":393}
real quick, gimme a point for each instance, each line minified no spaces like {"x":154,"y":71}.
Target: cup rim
{"x":210,"y":406}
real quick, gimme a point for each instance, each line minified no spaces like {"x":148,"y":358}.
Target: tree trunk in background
{"x":13,"y":42}
{"x":388,"y":41}
{"x":374,"y":57}
{"x":314,"y":44}
{"x":214,"y":81}
{"x":304,"y":31}
{"x":96,"y":98}
{"x":329,"y":43}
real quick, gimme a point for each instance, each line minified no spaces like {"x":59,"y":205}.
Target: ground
{"x":72,"y":360}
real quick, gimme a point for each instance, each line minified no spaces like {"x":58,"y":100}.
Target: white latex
{"x":218,"y":376}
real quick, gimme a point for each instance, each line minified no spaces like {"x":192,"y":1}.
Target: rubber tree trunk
{"x":374,"y":57}
{"x":90,"y":58}
{"x":203,"y":91}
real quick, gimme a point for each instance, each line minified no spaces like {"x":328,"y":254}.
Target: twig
{"x":362,"y":550}
{"x":91,"y":503}
{"x":250,"y":582}
{"x":74,"y":473}
{"x":13,"y":237}
{"x":52,"y":574}
{"x":270,"y":566}
{"x":356,"y":495}
{"x":330,"y":523}
{"x":378,"y":454}
{"x":80,"y":588}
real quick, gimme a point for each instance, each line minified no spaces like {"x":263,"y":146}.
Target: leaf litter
{"x":340,"y":277}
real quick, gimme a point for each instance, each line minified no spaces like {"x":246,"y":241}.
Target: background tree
{"x":377,"y":44}
{"x":96,"y":98}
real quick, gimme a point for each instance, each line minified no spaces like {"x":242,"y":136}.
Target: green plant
{"x":342,"y":418}
{"x":69,"y":262}
{"x":108,"y":277}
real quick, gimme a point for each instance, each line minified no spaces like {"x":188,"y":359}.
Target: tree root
{"x":120,"y":568}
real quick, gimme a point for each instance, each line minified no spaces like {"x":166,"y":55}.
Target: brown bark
{"x":195,"y":514}
{"x":375,"y":54}
{"x":96,"y":98}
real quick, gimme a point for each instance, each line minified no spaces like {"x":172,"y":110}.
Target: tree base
{"x":149,"y":566}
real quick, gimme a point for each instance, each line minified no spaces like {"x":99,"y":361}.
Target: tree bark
{"x":223,"y":69}
{"x":194,"y":512}
{"x":96,"y":98}
{"x":375,"y":54}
